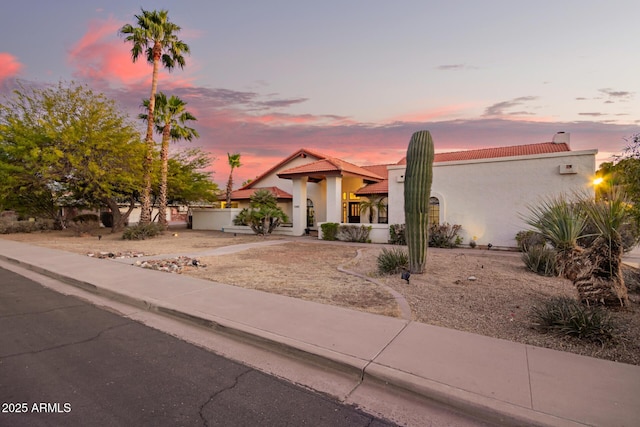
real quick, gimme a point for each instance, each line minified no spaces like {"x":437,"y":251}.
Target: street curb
{"x":361,"y":370}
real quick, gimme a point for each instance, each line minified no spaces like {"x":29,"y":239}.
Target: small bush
{"x":444,"y":235}
{"x":8,"y":226}
{"x":142,"y":231}
{"x":396,"y":234}
{"x":85,"y":223}
{"x":329,"y":230}
{"x":540,"y":260}
{"x":529,"y":238}
{"x":242,"y":218}
{"x":566,"y":316}
{"x":354,"y":233}
{"x":392,"y":261}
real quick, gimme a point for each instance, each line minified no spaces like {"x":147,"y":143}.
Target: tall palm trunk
{"x":164,"y":172}
{"x":145,"y":214}
{"x":229,"y":188}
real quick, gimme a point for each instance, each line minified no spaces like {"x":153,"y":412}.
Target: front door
{"x":354,"y":212}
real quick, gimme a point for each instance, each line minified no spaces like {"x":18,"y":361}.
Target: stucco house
{"x":486,"y":191}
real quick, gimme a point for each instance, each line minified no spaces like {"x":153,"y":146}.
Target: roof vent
{"x":562,"y":138}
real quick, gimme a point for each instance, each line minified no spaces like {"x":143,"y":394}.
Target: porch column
{"x":334,"y":199}
{"x":299,"y":212}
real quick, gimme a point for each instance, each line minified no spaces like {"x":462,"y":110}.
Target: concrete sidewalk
{"x":494,"y":379}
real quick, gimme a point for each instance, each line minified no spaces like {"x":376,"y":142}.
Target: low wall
{"x":379,"y":232}
{"x":244,"y":229}
{"x":213,"y":218}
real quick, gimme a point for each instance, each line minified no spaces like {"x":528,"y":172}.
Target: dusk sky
{"x":353,"y":79}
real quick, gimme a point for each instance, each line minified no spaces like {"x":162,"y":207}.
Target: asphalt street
{"x":66,"y":362}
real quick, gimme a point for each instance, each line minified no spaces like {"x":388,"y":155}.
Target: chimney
{"x":562,"y":137}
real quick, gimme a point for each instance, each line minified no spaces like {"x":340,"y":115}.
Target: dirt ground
{"x":497,"y":303}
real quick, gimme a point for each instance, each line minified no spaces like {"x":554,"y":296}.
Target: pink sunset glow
{"x":9,"y":66}
{"x":357,"y":92}
{"x":100,"y":55}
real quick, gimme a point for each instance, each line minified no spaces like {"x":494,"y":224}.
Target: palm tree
{"x":234,"y":162}
{"x":171,"y":114}
{"x":155,"y":38}
{"x":372,"y":205}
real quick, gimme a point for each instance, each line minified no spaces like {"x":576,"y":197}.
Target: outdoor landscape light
{"x":405,"y":276}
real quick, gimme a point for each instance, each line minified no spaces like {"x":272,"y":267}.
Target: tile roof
{"x":380,"y":170}
{"x":246,"y":193}
{"x":330,"y":166}
{"x":300,"y":153}
{"x":381,"y":187}
{"x":497,"y":152}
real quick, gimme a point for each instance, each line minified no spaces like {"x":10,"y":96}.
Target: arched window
{"x":434,"y":210}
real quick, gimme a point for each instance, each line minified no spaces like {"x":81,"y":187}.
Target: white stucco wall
{"x":212,"y":218}
{"x":134,"y":216}
{"x":488,"y":196}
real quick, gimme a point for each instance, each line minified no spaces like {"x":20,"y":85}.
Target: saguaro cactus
{"x":417,"y":190}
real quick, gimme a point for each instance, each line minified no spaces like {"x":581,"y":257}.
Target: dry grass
{"x":496,"y":304}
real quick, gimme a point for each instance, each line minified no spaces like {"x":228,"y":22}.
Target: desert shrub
{"x":142,"y":231}
{"x":529,"y":238}
{"x":8,"y":226}
{"x":392,"y":261}
{"x":354,"y":233}
{"x":444,"y":235}
{"x":567,"y":316}
{"x":85,"y":223}
{"x":396,"y":234}
{"x":329,"y":230}
{"x":540,"y":259}
{"x":242,"y":218}
{"x":263,"y":215}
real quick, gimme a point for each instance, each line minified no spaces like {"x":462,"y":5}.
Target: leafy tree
{"x":154,"y":37}
{"x":171,"y":115}
{"x":66,"y":146}
{"x":234,"y":162}
{"x":263,"y":215}
{"x":188,"y":182}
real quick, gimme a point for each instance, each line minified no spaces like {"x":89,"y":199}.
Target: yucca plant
{"x":600,"y":279}
{"x":561,"y":222}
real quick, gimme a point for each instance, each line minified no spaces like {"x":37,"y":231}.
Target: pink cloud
{"x":9,"y":66}
{"x":100,"y":55}
{"x":447,"y":111}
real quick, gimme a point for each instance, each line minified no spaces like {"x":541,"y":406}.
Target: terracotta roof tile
{"x":380,"y":170}
{"x":497,"y":152}
{"x":381,"y":187}
{"x":330,"y":165}
{"x":300,"y":152}
{"x":245,"y":194}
